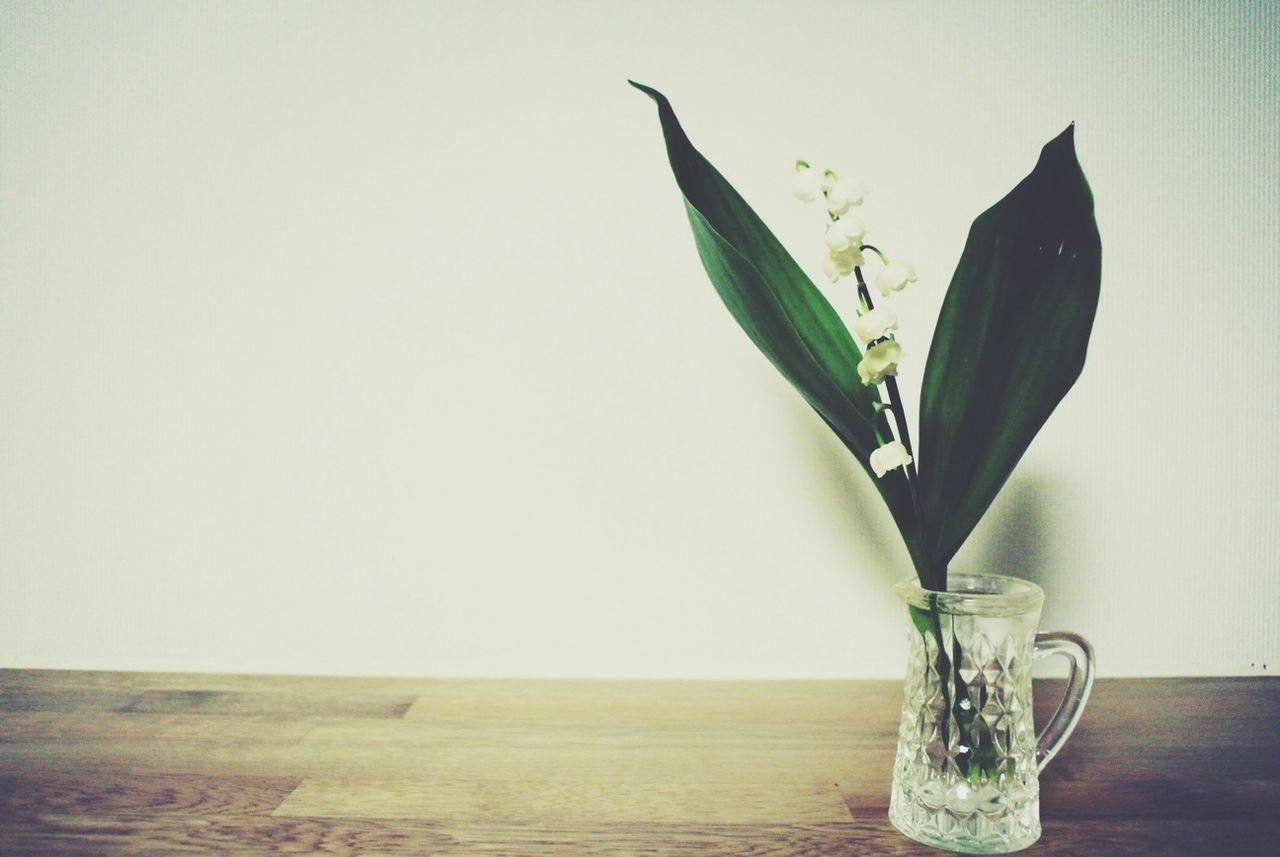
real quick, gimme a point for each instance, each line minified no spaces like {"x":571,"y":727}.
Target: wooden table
{"x":137,"y":763}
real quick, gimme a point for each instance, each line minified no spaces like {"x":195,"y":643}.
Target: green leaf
{"x":920,"y":618}
{"x":785,"y":315}
{"x":1010,"y":341}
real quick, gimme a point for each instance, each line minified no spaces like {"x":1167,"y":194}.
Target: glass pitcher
{"x":966,"y":773}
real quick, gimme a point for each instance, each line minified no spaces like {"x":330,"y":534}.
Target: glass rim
{"x":974,"y":594}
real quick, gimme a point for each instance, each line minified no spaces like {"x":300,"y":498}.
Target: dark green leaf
{"x":1010,"y":341}
{"x":785,"y":315}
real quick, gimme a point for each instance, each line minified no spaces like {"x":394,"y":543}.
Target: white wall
{"x":371,"y":338}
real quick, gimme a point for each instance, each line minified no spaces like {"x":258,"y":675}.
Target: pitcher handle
{"x":1079,"y":653}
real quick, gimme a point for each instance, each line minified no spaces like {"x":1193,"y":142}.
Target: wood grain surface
{"x":149,"y":763}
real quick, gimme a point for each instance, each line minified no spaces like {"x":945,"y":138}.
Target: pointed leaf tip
{"x":979,"y":411}
{"x":781,"y":311}
{"x":649,"y":91}
{"x":1066,"y":138}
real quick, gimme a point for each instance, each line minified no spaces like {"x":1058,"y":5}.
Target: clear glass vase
{"x":966,"y":773}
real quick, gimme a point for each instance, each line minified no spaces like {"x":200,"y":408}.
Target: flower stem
{"x":883,"y":259}
{"x":955,"y":694}
{"x":900,"y":419}
{"x":943,"y":666}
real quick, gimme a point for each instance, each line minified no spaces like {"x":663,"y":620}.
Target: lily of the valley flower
{"x":845,"y":233}
{"x":894,"y":277}
{"x":841,"y":264}
{"x":841,"y":193}
{"x":892,"y":454}
{"x":807,"y":183}
{"x":880,"y":361}
{"x":875,"y":323}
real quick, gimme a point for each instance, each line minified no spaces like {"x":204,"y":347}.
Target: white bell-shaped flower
{"x":830,"y":268}
{"x":875,"y":324}
{"x":894,"y":277}
{"x":880,"y":361}
{"x":837,"y":203}
{"x":807,"y":184}
{"x":841,"y":195}
{"x":844,"y":233}
{"x":836,"y":239}
{"x":853,"y":228}
{"x":843,"y":262}
{"x":889,"y":456}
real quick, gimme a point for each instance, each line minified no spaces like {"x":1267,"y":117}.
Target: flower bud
{"x":837,"y":202}
{"x":807,"y":184}
{"x":849,"y":190}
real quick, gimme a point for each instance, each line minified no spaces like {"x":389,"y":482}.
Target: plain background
{"x":371,"y":338}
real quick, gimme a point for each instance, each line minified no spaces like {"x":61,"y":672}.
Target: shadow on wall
{"x":866,"y":527}
{"x":1016,"y":532}
{"x":1013,"y":538}
{"x":1022,"y":536}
